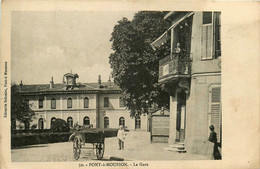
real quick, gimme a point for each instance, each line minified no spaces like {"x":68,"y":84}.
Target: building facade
{"x":99,"y":104}
{"x":192,"y":76}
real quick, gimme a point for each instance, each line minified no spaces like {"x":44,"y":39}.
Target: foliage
{"x":31,"y":137}
{"x":135,"y":64}
{"x":31,"y":131}
{"x":20,"y":108}
{"x":18,"y":140}
{"x":60,"y":125}
{"x":34,"y":126}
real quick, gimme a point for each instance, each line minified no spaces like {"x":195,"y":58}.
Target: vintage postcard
{"x":129,"y":84}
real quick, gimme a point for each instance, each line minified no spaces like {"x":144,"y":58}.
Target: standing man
{"x":121,"y":137}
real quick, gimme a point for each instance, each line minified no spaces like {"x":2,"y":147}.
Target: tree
{"x":135,"y":64}
{"x":20,"y":108}
{"x":60,"y":125}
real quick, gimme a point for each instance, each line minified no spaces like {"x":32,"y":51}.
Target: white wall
{"x":78,"y":112}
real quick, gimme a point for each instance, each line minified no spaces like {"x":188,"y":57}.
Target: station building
{"x":192,"y":76}
{"x":99,"y":104}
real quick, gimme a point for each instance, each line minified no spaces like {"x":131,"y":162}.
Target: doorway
{"x":181,"y":117}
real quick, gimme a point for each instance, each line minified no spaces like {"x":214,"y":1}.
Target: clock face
{"x":70,"y":80}
{"x":183,"y":83}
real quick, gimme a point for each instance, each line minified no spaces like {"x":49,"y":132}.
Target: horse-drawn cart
{"x":96,"y":138}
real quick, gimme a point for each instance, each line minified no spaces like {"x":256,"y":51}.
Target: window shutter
{"x":40,"y":103}
{"x":217,"y":34}
{"x":207,"y":39}
{"x":215,"y":111}
{"x":207,"y":36}
{"x":86,"y":102}
{"x":53,"y":103}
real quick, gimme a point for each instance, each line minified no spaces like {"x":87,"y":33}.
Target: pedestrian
{"x":213,"y":138}
{"x":121,"y":137}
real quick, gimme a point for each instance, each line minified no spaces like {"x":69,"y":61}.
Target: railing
{"x":174,"y":66}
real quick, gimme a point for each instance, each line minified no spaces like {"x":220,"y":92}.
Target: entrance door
{"x":182,"y":127}
{"x":181,"y":117}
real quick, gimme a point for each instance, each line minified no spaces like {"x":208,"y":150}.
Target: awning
{"x":160,"y":41}
{"x":163,"y":38}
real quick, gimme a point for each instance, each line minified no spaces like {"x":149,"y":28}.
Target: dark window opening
{"x":40,"y":103}
{"x":106,"y":122}
{"x":137,"y":123}
{"x":40,"y":124}
{"x":207,"y":17}
{"x":70,"y":122}
{"x":106,"y":102}
{"x":53,"y":103}
{"x":69,"y":103}
{"x":86,"y":102}
{"x":122,"y":121}
{"x":86,"y":120}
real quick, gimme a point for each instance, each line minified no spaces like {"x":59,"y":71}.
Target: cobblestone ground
{"x":137,"y":147}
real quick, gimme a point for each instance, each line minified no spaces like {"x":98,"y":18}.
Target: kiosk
{"x":160,"y":126}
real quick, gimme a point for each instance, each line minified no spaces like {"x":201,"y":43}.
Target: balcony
{"x":174,"y":67}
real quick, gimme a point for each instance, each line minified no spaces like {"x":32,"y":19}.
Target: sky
{"x":51,"y":44}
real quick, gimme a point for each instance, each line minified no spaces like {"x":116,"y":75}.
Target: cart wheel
{"x":76,"y":148}
{"x":100,"y":148}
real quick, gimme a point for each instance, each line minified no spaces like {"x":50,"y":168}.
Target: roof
{"x":105,"y":87}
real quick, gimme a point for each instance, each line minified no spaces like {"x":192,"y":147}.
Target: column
{"x":61,"y":107}
{"x":173,"y":114}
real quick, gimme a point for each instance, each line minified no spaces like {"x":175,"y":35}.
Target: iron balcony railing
{"x":174,"y":66}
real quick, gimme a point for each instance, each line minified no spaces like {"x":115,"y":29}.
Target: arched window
{"x":40,"y":124}
{"x":106,"y":122}
{"x":53,"y":103}
{"x":86,"y":120}
{"x":86,"y":102}
{"x":106,"y":102}
{"x":70,"y":122}
{"x":69,"y":103}
{"x":137,"y":123}
{"x":53,"y":119}
{"x":121,"y":102}
{"x":122,"y":121}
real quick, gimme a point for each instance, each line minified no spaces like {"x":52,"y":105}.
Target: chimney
{"x":109,"y":80}
{"x":21,"y":86}
{"x":99,"y":79}
{"x":51,"y":83}
{"x":63,"y":80}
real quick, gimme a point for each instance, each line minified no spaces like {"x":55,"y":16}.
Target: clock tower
{"x":71,"y":80}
